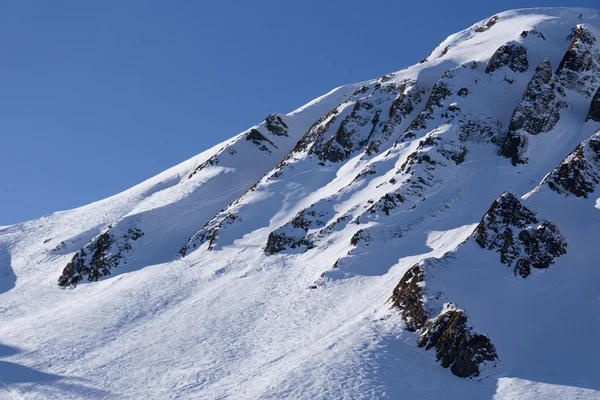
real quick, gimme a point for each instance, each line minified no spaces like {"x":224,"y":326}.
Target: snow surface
{"x":235,"y":322}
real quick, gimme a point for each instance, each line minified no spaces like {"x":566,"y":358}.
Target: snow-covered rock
{"x":262,"y":267}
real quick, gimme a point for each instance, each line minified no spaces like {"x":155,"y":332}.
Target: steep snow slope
{"x":344,"y":250}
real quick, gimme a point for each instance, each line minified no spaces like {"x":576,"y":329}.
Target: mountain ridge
{"x":347,"y":248}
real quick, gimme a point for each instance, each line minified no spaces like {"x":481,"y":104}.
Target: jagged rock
{"x":407,"y":297}
{"x":209,"y":233}
{"x":577,"y":57}
{"x":387,"y":203}
{"x":538,"y":112}
{"x":533,"y":246}
{"x":259,"y":140}
{"x":279,"y":241}
{"x":457,"y":345}
{"x":439,"y":93}
{"x":594,"y":112}
{"x":276,"y":125}
{"x":98,"y":257}
{"x":366,"y":126}
{"x":293,"y":234}
{"x":411,"y":94}
{"x":208,"y":163}
{"x":579,"y":173}
{"x":490,"y":22}
{"x":533,"y":32}
{"x":440,"y":326}
{"x":360,"y":236}
{"x":346,"y":139}
{"x":580,"y":65}
{"x":511,"y":54}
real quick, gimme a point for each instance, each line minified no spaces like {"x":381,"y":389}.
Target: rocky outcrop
{"x":533,"y":33}
{"x":515,"y":232}
{"x":594,"y":111}
{"x":439,"y":93}
{"x":579,"y":67}
{"x":457,"y":345}
{"x":408,"y":297}
{"x":275,"y":124}
{"x":294,"y":234}
{"x":209,"y":233}
{"x":490,"y":22}
{"x":99,"y":257}
{"x":441,"y":326}
{"x":371,"y":123}
{"x":538,"y":112}
{"x":410,"y":98}
{"x":579,"y":173}
{"x":511,"y":54}
{"x":260,"y":140}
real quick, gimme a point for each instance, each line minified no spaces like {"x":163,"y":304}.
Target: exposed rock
{"x":457,"y":345}
{"x":275,"y":124}
{"x":538,"y":112}
{"x":209,"y":233}
{"x":439,"y":93}
{"x":259,"y":140}
{"x":98,"y":257}
{"x":294,"y":233}
{"x":579,"y":173}
{"x":360,"y":236}
{"x":511,"y":54}
{"x":514,"y":231}
{"x":208,"y":163}
{"x":580,"y":65}
{"x":411,"y":95}
{"x":387,"y":203}
{"x":490,"y":22}
{"x":532,"y":32}
{"x":407,"y":297}
{"x":440,"y":325}
{"x":594,"y":112}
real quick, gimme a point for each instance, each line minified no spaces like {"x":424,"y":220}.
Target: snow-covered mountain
{"x":427,"y":234}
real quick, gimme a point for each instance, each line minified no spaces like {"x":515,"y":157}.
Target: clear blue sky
{"x":96,"y":96}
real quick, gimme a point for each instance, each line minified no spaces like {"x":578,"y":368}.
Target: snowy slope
{"x":426,"y":234}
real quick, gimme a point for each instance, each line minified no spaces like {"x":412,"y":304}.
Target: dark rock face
{"x":344,"y":141}
{"x":511,"y":229}
{"x":579,"y":173}
{"x":513,"y":145}
{"x":276,"y":125}
{"x":294,"y":234}
{"x":577,"y":57}
{"x":98,"y":257}
{"x":533,"y":32}
{"x":580,"y":65}
{"x":407,"y":297}
{"x":209,"y":233}
{"x":594,"y":112}
{"x":279,"y":241}
{"x":538,"y":112}
{"x":208,"y":163}
{"x":439,"y":93}
{"x":490,"y":22}
{"x":457,"y":345}
{"x":387,"y":203}
{"x":511,"y":54}
{"x":447,"y":330}
{"x":259,"y":140}
{"x":368,"y":126}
